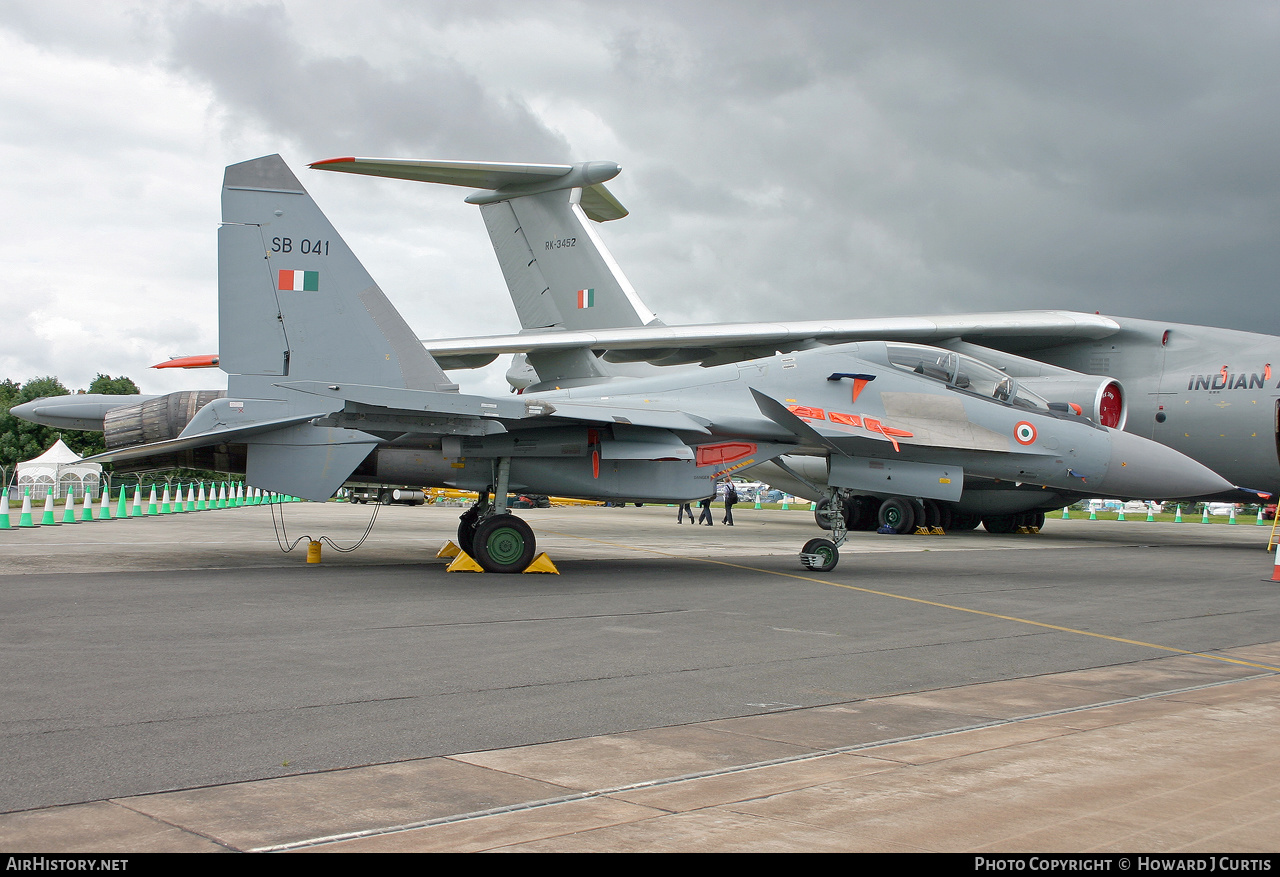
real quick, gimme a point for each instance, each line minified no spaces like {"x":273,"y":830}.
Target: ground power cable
{"x":280,"y":531}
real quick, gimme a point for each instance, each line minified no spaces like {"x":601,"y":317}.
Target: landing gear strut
{"x":492,"y":536}
{"x":822,"y":555}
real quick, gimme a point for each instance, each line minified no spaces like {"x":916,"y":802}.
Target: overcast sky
{"x":780,"y":160}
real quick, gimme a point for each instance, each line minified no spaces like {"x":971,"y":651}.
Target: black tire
{"x":947,"y":516}
{"x":852,"y":511}
{"x":922,"y":519}
{"x":869,"y":516}
{"x":932,"y":514}
{"x":467,"y":529}
{"x":1001,"y":523}
{"x":818,"y":516}
{"x":897,"y":513}
{"x":826,"y":551}
{"x":965,"y":520}
{"x":504,"y":543}
{"x":860,"y":513}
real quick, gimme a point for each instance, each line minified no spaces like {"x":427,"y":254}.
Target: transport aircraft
{"x":327,"y":384}
{"x":1209,"y":393}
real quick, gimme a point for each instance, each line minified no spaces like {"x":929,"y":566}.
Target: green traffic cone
{"x":47,"y":520}
{"x":24,"y":519}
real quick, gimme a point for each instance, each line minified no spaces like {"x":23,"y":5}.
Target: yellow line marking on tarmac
{"x":922,"y":601}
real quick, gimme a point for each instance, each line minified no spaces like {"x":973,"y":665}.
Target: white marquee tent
{"x":57,"y":470}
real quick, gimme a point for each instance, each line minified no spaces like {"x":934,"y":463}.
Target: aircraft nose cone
{"x":26,"y":410}
{"x":1142,"y":469}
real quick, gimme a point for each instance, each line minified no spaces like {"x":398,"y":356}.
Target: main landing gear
{"x":496,"y":539}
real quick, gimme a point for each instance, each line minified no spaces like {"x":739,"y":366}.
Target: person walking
{"x":684,"y":510}
{"x":706,"y":510}
{"x":730,"y":497}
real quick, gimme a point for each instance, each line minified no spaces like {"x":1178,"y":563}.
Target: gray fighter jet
{"x":328,"y":384}
{"x":1206,"y":392}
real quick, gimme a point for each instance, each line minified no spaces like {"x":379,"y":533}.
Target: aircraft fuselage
{"x":1212,"y":394}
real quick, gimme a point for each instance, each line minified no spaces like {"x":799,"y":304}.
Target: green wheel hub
{"x":505,"y":544}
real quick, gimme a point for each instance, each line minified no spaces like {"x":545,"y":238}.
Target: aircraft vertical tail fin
{"x":294,"y":302}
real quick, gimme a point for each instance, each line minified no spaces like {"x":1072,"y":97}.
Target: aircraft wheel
{"x":1037,"y":520}
{"x":504,"y":543}
{"x":467,"y":529}
{"x":818,"y":516}
{"x":852,"y":513}
{"x":965,"y":520}
{"x":945,"y":516}
{"x":860,"y":513}
{"x":932,"y":514}
{"x":1000,"y":523}
{"x":918,"y":507}
{"x":870,"y":515}
{"x":896,"y":512}
{"x":820,"y":555}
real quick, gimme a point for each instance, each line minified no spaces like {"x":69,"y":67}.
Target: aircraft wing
{"x":714,"y":343}
{"x":428,"y":407}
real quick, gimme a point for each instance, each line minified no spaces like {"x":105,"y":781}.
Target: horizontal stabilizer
{"x":506,"y":180}
{"x":197,"y":440}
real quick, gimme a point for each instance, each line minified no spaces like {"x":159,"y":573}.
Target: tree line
{"x":21,"y":440}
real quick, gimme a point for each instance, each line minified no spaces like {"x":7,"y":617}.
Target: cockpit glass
{"x":964,"y":373}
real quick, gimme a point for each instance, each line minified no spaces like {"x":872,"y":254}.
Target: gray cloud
{"x":253,"y":61}
{"x":780,"y":160}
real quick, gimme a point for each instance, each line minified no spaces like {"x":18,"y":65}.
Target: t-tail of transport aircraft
{"x":1209,"y":393}
{"x":327,"y":384}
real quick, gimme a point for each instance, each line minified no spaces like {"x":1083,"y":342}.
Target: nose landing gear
{"x":822,"y":555}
